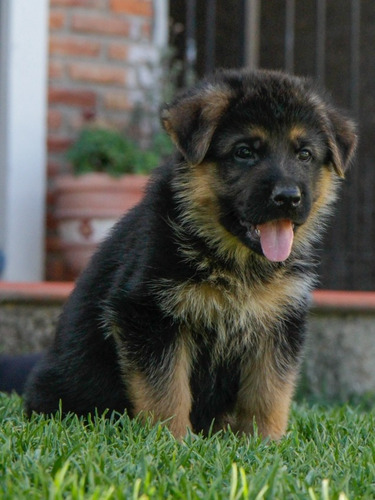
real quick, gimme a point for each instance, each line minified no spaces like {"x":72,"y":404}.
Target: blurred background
{"x":69,"y":64}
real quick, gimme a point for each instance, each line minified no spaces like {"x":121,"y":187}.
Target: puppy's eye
{"x":244,"y":153}
{"x":304,"y":155}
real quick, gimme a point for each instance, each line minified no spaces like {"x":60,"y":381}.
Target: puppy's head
{"x":270,"y":147}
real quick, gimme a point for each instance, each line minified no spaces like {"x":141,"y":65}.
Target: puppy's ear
{"x":342,"y":141}
{"x":191,"y":120}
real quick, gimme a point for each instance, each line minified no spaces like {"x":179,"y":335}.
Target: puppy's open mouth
{"x":275,"y":237}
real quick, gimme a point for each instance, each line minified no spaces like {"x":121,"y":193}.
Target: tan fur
{"x":325,"y":195}
{"x":210,"y":104}
{"x":170,"y":401}
{"x":264,"y":397}
{"x":297,"y":132}
{"x":253,"y":133}
{"x":198,"y":193}
{"x":258,"y":132}
{"x":232,"y":305}
{"x":216,"y":99}
{"x":346,"y":129}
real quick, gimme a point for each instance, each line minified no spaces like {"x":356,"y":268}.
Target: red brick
{"x":117,"y":101}
{"x":100,"y":25}
{"x":134,"y":7}
{"x":147,"y":30}
{"x":55,"y":70}
{"x":54,"y":119}
{"x":72,"y":46}
{"x":118,"y":51}
{"x":50,"y":200}
{"x":53,"y":168}
{"x":53,"y":242}
{"x":56,"y":20}
{"x":56,"y":144}
{"x":70,"y":97}
{"x":55,"y":267}
{"x":95,"y":73}
{"x":75,"y":121}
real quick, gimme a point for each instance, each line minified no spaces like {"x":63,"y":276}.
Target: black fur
{"x":180,"y":289}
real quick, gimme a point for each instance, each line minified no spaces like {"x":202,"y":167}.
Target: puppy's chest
{"x":235,"y":312}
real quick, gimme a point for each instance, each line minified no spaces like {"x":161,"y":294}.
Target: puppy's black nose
{"x":286,"y":196}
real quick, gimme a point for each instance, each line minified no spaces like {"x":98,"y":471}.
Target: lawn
{"x":328,"y":453}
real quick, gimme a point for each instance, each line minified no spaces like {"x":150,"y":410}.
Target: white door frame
{"x":23,"y":108}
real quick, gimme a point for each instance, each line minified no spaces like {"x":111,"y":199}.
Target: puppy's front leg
{"x":164,"y":394}
{"x":264,"y":396}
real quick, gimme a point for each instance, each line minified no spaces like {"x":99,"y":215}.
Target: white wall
{"x":23,"y":84}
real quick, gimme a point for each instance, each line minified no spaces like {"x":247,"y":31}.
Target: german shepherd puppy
{"x":193,"y":310}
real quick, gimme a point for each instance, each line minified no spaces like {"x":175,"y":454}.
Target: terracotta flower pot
{"x":87,"y":206}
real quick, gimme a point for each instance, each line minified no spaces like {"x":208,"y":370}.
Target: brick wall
{"x":101,"y":66}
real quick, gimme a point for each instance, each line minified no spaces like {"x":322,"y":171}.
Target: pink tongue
{"x":276,"y":238}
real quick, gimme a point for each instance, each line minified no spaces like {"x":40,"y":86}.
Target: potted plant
{"x":109,"y":177}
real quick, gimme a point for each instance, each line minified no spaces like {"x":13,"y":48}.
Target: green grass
{"x":328,"y":453}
